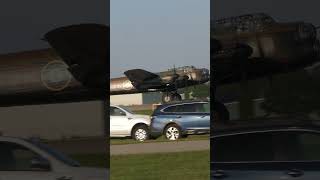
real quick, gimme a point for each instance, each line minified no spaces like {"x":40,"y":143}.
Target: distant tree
{"x":199,"y":91}
{"x":294,"y":93}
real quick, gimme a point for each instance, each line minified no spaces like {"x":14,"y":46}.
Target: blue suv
{"x":180,"y":119}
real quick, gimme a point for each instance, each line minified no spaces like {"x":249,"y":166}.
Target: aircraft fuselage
{"x":188,"y":77}
{"x":39,"y":76}
{"x":275,"y":47}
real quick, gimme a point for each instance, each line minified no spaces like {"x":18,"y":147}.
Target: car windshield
{"x":56,"y":154}
{"x":126,"y":109}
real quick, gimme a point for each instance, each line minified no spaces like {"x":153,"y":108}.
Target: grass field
{"x":182,"y":165}
{"x":118,"y":141}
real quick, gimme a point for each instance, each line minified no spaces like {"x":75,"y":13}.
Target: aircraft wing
{"x":139,"y":77}
{"x":85,"y":49}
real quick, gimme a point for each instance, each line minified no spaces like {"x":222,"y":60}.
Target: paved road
{"x":159,"y":147}
{"x":83,"y":146}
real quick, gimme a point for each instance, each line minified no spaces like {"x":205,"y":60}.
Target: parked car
{"x":124,"y":123}
{"x":269,"y":149}
{"x":179,"y":119}
{"x":22,"y":159}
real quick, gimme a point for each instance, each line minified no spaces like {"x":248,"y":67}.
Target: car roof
{"x":178,"y":103}
{"x":184,"y":102}
{"x":265,"y":124}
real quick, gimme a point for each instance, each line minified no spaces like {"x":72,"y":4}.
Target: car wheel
{"x":172,"y":132}
{"x":140,"y":133}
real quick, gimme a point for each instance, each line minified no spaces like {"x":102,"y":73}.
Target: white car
{"x":124,"y":123}
{"x":22,"y":159}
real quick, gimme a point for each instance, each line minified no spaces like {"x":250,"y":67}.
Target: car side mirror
{"x":39,"y":163}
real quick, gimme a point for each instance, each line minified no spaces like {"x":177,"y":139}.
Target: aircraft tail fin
{"x":139,"y":76}
{"x":85,"y":49}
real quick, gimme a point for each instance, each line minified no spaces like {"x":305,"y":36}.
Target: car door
{"x":203,"y":115}
{"x":244,"y":156}
{"x":186,"y":116}
{"x":118,"y":122}
{"x":18,"y":163}
{"x":304,"y":164}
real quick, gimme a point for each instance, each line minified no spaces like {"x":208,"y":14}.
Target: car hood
{"x":140,"y":116}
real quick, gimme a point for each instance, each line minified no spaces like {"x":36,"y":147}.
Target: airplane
{"x":75,"y":68}
{"x":251,"y":46}
{"x":139,"y":81}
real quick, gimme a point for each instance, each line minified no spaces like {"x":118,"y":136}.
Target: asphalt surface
{"x":82,"y":146}
{"x":160,"y":147}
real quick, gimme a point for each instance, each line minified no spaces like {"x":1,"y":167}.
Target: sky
{"x":156,"y":35}
{"x":23,"y":23}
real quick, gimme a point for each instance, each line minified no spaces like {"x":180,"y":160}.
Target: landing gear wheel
{"x":166,"y":98}
{"x":140,"y":133}
{"x":220,"y":113}
{"x":169,"y":97}
{"x":172,"y":132}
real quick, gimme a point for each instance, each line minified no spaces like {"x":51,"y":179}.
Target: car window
{"x":114,"y":111}
{"x":189,"y":108}
{"x":203,"y":107}
{"x":243,"y":147}
{"x":14,"y":157}
{"x":55,"y":153}
{"x":170,"y":109}
{"x":126,"y":109}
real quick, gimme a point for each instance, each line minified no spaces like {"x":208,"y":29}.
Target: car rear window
{"x":181,"y":108}
{"x":203,"y":107}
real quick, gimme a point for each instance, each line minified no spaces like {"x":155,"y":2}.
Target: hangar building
{"x":136,"y":99}
{"x":54,"y":121}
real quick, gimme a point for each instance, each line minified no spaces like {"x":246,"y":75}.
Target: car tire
{"x":172,"y":132}
{"x":140,"y":133}
{"x":184,"y":136}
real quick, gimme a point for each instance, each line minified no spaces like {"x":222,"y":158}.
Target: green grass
{"x":118,"y":141}
{"x":182,"y":165}
{"x":92,"y":160}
